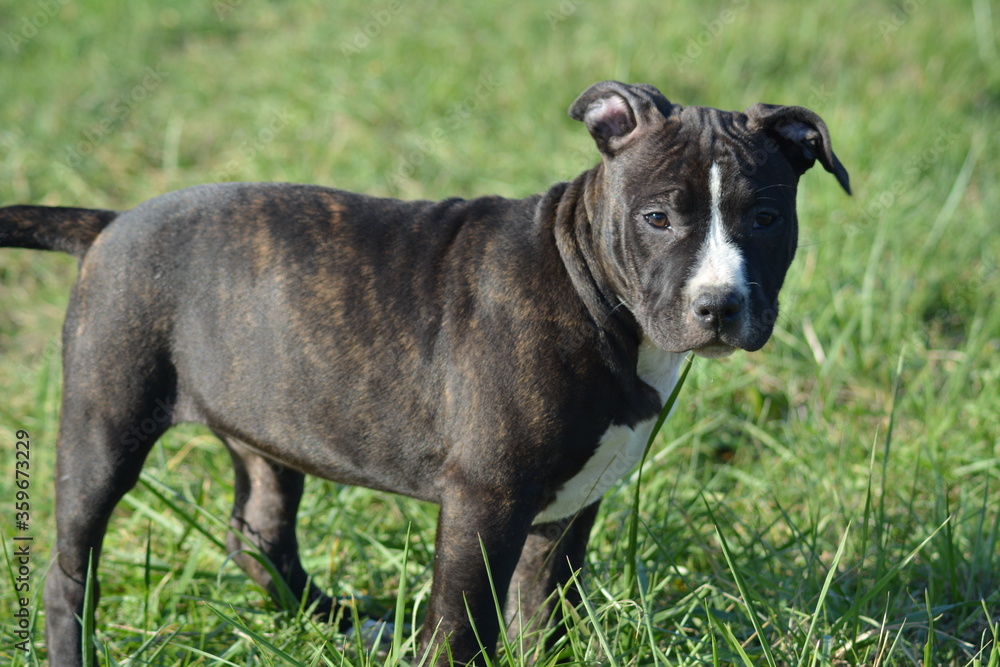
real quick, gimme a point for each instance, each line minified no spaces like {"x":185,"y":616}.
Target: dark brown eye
{"x":765,"y":219}
{"x":657,"y":219}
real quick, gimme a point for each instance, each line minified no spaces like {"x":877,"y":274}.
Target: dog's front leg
{"x":476,"y":525}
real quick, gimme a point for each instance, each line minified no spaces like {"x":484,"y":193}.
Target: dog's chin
{"x":723,"y":347}
{"x":715,"y":350}
{"x":711,"y":349}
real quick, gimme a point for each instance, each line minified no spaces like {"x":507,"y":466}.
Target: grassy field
{"x":831,"y":500}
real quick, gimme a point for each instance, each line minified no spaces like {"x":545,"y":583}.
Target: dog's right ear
{"x":614,"y":111}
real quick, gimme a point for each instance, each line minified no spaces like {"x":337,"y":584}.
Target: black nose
{"x":715,"y":309}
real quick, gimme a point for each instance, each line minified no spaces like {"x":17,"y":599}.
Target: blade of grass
{"x":147,"y":575}
{"x":958,"y":190}
{"x":872,"y":524}
{"x":929,"y":644}
{"x":399,"y":619}
{"x":595,"y":625}
{"x":744,"y":591}
{"x":475,"y":633}
{"x":507,"y":645}
{"x":647,"y":625}
{"x":161,"y":644}
{"x":711,"y":632}
{"x":356,"y":623}
{"x":258,"y":639}
{"x":888,"y":438}
{"x":160,"y":490}
{"x":87,"y":622}
{"x":994,"y":629}
{"x":822,"y":594}
{"x":866,"y":527}
{"x":631,"y":560}
{"x":734,"y":643}
{"x":878,"y":587}
{"x":215,"y":659}
{"x":888,"y":446}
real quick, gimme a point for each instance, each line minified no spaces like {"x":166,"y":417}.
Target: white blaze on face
{"x":720,"y":262}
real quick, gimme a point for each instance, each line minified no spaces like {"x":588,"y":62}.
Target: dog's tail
{"x":70,"y":230}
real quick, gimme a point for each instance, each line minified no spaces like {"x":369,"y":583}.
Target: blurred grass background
{"x":870,"y":422}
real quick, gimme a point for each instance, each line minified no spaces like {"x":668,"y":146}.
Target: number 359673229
{"x":22,"y":479}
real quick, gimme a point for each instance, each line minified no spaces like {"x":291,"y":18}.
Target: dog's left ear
{"x":802,"y":138}
{"x":615,"y":112}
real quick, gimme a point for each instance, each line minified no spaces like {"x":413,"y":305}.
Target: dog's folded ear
{"x":802,"y":137}
{"x":614,"y":111}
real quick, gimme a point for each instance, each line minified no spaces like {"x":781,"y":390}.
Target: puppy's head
{"x":697,"y":224}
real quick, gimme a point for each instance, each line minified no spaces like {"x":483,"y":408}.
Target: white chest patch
{"x":620,"y":448}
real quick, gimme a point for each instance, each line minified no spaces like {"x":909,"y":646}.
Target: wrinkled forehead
{"x":694,"y":139}
{"x":711,"y":124}
{"x":723,"y":137}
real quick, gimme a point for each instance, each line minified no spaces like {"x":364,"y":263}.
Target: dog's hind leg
{"x":103,"y":442}
{"x":119,"y":397}
{"x":264,"y":511}
{"x":551,"y":554}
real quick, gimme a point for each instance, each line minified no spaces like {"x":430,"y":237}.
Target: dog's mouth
{"x":710,"y":347}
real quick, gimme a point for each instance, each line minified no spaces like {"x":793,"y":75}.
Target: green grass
{"x":831,"y":500}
